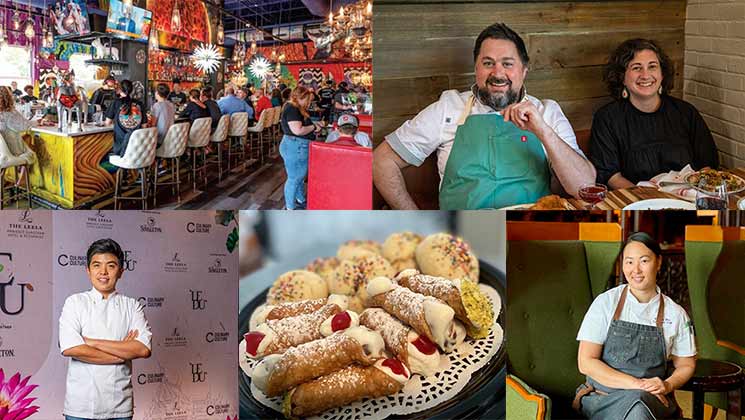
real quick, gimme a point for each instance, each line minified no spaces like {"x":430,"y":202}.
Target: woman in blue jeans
{"x":298,"y":131}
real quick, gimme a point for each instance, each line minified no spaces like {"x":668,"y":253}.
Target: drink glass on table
{"x":592,"y":194}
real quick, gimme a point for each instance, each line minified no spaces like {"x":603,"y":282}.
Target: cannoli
{"x":268,"y":312}
{"x":427,"y":315}
{"x":471,"y":306}
{"x":385,"y":377}
{"x":278,"y":373}
{"x":276,"y":336}
{"x":412,"y":348}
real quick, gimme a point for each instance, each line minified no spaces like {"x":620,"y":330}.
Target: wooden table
{"x":717,"y":376}
{"x":618,"y":199}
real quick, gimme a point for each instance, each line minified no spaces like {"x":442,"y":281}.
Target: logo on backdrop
{"x":66,"y":260}
{"x":217,"y":266}
{"x":214,"y":409}
{"x":198,"y":303}
{"x":25,"y":228}
{"x":217,"y":336}
{"x":129,"y":261}
{"x":151,"y":378}
{"x":150,"y":226}
{"x":175,"y":265}
{"x":197,"y":374}
{"x":12,"y":296}
{"x":99,"y":221}
{"x":6,"y":353}
{"x":193,"y":227}
{"x":151,"y":301}
{"x":175,"y":340}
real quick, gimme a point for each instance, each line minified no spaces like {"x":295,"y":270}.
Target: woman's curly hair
{"x":615,"y":69}
{"x":7,"y":102}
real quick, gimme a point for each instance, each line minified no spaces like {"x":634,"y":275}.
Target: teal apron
{"x":493,"y":164}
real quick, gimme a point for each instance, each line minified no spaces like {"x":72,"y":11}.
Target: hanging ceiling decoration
{"x":220,"y":30}
{"x":207,"y":58}
{"x":153,"y":42}
{"x":260,"y":67}
{"x":354,"y":25}
{"x":175,"y":18}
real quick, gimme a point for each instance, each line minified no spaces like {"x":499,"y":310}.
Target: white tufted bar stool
{"x":219,"y":136}
{"x":173,"y":147}
{"x":257,"y":132}
{"x":276,"y":132}
{"x":199,"y":138}
{"x":7,"y":161}
{"x":238,"y":132}
{"x":139,"y":156}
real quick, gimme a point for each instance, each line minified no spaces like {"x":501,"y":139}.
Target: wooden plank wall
{"x":422,"y":48}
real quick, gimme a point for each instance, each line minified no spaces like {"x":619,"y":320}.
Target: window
{"x":85,"y":74}
{"x":16,"y":66}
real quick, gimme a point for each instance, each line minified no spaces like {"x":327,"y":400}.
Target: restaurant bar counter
{"x":68,"y":173}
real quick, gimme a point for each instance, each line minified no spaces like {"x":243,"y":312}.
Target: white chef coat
{"x":676,"y":326}
{"x":100,"y":391}
{"x":434,"y":127}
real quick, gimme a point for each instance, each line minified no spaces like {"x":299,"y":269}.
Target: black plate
{"x":483,"y":396}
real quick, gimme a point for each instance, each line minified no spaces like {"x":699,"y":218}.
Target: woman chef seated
{"x":626,"y":339}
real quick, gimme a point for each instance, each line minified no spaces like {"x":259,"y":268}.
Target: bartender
{"x":496,"y":146}
{"x":626,"y":340}
{"x":177,"y":96}
{"x":106,"y":94}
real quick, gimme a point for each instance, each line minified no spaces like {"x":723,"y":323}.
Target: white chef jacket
{"x":100,"y":391}
{"x":434,"y":127}
{"x":676,"y":326}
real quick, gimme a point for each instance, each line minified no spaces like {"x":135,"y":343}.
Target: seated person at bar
{"x":127,"y":115}
{"x":626,"y":340}
{"x":177,"y":96}
{"x":245,"y":94}
{"x":163,"y":111}
{"x":29,"y":96}
{"x":530,"y":146}
{"x":104,"y":95}
{"x":347,"y":129}
{"x":12,"y":128}
{"x":212,"y":107}
{"x":262,"y":102}
{"x":230,"y":104}
{"x":195,"y":109}
{"x":276,"y":97}
{"x":14,"y":89}
{"x":645,"y":131}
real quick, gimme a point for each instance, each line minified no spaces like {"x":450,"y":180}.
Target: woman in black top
{"x":127,"y":116}
{"x":195,"y":109}
{"x":298,"y":131}
{"x":645,"y":132}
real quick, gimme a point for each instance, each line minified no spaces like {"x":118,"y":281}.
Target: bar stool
{"x":9,"y":160}
{"x":238,"y":131}
{"x":219,"y":136}
{"x":199,"y":138}
{"x":276,"y":131}
{"x":173,"y":147}
{"x":139,"y":156}
{"x":258,"y":130}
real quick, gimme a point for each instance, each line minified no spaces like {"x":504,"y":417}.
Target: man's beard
{"x":497,"y":101}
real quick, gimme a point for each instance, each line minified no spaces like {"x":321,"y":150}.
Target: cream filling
{"x":259,"y":316}
{"x":379,"y":285}
{"x":371,"y":341}
{"x":263,"y":370}
{"x":269,"y":337}
{"x":341,"y":300}
{"x":407,"y":273}
{"x":423,"y":364}
{"x":326,"y":325}
{"x":439,"y":317}
{"x":402,"y":379}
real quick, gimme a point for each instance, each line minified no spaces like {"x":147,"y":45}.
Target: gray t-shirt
{"x":164,"y":114}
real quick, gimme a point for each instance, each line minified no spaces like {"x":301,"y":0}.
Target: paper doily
{"x":419,"y":393}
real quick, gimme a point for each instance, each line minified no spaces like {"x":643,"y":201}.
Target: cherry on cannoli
{"x":414,"y":349}
{"x":385,"y":377}
{"x":427,"y":315}
{"x":278,"y":373}
{"x":471,"y":306}
{"x":269,"y":312}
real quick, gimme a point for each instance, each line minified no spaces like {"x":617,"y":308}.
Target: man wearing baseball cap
{"x":347,"y":128}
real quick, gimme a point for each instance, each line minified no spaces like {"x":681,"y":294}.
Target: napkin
{"x":683,"y":191}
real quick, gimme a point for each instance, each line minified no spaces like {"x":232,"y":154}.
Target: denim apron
{"x":637,"y":350}
{"x":493,"y":164}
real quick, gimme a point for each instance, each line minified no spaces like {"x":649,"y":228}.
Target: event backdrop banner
{"x":181,"y":266}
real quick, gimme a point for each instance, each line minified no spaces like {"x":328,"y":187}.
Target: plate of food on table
{"x":709,"y":180}
{"x":410,"y":328}
{"x":549,"y":202}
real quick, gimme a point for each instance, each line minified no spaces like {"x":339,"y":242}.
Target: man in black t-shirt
{"x":106,"y":94}
{"x":326,"y":96}
{"x":212,"y":107}
{"x":127,"y":116}
{"x":177,"y":96}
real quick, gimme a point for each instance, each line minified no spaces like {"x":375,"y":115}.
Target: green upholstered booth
{"x":715,"y":265}
{"x":554,"y":271}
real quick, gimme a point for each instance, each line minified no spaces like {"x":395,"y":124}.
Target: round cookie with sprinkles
{"x":345,"y":278}
{"x":297,"y":285}
{"x":372,"y":266}
{"x":444,"y":255}
{"x":400,"y":249}
{"x":356,"y":248}
{"x":324,"y":267}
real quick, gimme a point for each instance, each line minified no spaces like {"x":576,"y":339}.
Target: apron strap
{"x":621,"y":302}
{"x":661,"y":311}
{"x":467,"y":110}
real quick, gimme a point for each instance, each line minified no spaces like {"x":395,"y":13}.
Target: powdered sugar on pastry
{"x":372,"y":342}
{"x":339,"y":322}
